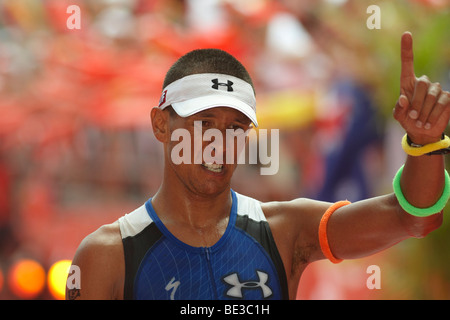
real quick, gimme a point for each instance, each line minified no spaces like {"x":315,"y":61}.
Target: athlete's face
{"x":213,"y":153}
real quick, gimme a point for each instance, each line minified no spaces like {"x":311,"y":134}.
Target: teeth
{"x":213,"y":167}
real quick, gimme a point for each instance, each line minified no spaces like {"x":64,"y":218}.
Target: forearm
{"x":382,"y":222}
{"x":370,"y":226}
{"x":367,"y":227}
{"x":423,"y":180}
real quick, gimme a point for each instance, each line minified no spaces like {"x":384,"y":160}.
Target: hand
{"x":423,"y":108}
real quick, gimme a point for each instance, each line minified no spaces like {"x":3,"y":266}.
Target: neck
{"x":191,"y":208}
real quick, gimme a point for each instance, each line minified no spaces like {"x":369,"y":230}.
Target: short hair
{"x":207,"y":61}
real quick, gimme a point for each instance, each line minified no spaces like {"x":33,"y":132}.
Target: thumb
{"x":401,"y":108}
{"x":403,"y":101}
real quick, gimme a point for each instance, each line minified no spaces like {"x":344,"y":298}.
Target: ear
{"x":160,"y":124}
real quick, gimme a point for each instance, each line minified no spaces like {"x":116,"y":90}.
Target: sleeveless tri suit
{"x":243,"y":264}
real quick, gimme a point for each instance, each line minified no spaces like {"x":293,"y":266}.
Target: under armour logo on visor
{"x":162,"y":100}
{"x":236,"y":290}
{"x":216,"y":84}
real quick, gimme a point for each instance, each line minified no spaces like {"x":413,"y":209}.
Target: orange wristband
{"x":323,"y":239}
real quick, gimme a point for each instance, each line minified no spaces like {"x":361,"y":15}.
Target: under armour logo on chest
{"x":237,"y":286}
{"x":217,"y":84}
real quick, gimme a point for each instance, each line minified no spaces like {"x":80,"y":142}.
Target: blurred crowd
{"x":76,"y":147}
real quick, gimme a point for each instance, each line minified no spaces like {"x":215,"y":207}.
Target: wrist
{"x":418,"y":142}
{"x":413,"y":148}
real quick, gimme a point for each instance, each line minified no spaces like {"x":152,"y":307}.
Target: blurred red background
{"x":77,"y":151}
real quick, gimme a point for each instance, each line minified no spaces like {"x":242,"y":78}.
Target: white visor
{"x":198,"y":92}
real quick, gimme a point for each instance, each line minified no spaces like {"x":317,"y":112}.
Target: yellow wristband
{"x":419,"y":151}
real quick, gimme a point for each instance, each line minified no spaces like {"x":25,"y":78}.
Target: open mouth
{"x":217,"y":168}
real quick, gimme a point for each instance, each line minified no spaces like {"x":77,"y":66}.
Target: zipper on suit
{"x":211,"y":274}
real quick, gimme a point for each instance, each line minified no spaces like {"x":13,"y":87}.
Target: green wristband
{"x":421,"y":212}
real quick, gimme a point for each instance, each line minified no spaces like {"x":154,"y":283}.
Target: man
{"x":198,"y":239}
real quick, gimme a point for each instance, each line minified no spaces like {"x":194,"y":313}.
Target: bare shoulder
{"x":106,"y":236}
{"x":104,"y":244}
{"x":100,"y":260}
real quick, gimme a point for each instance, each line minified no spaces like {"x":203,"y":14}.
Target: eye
{"x":238,"y":126}
{"x":206,"y":123}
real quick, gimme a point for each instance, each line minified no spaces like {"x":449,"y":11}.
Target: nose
{"x":224,"y":148}
{"x":215,"y":147}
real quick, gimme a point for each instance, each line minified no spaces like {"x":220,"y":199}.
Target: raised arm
{"x":423,"y":110}
{"x":366,"y":227}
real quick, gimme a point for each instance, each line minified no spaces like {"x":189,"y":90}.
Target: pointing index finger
{"x":407,"y":58}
